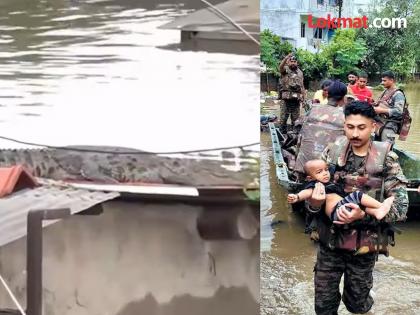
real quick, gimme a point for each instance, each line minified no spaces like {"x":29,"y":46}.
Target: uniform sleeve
{"x":285,"y":70}
{"x":399,"y":101}
{"x":325,"y":156}
{"x":395,"y":185}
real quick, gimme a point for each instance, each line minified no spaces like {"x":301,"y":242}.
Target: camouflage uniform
{"x":320,"y":126}
{"x":390,"y":124}
{"x":290,"y":92}
{"x":357,"y":268}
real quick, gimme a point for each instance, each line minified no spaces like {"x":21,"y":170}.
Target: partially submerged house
{"x":209,"y":30}
{"x":126,"y":248}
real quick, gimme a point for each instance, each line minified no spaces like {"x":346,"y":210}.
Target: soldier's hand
{"x":345,"y":216}
{"x":377,"y":109}
{"x":292,"y":198}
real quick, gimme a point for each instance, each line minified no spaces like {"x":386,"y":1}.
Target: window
{"x":302,"y":29}
{"x":318,"y":33}
{"x":320,"y":2}
{"x":333,"y":2}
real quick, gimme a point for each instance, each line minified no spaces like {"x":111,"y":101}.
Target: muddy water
{"x":103,"y":72}
{"x":288,"y":256}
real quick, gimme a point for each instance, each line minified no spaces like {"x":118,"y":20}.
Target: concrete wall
{"x":284,"y":17}
{"x":138,"y":259}
{"x":285,"y":24}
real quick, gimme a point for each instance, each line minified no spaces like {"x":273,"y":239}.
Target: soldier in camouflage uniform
{"x":359,"y":163}
{"x":320,"y":126}
{"x":389,"y":108}
{"x":291,"y":90}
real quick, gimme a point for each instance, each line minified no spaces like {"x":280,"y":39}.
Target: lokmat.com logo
{"x":357,"y":22}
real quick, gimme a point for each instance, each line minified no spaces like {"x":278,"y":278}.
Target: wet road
{"x":288,"y":256}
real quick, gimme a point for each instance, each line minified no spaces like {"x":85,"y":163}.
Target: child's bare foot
{"x":386,"y":206}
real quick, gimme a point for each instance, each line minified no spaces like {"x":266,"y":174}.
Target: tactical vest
{"x":371,"y":180}
{"x":358,"y":238}
{"x":404,"y":124}
{"x":291,"y":85}
{"x":322,"y":126}
{"x":385,"y":100}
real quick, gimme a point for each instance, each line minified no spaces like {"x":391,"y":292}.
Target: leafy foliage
{"x":393,"y":49}
{"x":372,"y":49}
{"x":273,"y":49}
{"x":314,"y":66}
{"x":344,"y":53}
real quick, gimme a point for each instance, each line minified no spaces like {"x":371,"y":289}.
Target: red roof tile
{"x":15,"y":178}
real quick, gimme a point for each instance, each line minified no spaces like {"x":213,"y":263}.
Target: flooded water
{"x":102,"y":72}
{"x":412,"y":92}
{"x":288,"y":256}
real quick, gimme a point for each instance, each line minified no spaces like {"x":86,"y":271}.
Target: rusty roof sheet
{"x":14,"y":208}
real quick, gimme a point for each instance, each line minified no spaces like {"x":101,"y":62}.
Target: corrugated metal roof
{"x":244,"y":12}
{"x":14,"y":208}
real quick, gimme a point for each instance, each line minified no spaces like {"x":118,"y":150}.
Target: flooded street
{"x":288,"y":256}
{"x":106,"y":72}
{"x":102,"y":72}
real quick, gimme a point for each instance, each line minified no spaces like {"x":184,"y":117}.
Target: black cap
{"x":293,"y":58}
{"x":337,"y":90}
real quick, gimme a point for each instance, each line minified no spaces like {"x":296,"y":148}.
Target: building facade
{"x":289,"y":19}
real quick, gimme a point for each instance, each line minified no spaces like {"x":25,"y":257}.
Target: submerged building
{"x":207,"y":29}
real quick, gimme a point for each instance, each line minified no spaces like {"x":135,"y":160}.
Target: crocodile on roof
{"x":68,"y":164}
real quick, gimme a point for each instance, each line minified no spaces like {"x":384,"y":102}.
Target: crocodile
{"x":122,"y":165}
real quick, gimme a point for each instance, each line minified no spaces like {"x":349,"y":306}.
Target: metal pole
{"x":340,"y":6}
{"x":34,"y":256}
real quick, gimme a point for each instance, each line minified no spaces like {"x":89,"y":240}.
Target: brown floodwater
{"x":288,"y":256}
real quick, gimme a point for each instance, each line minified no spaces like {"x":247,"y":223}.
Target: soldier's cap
{"x":293,"y":58}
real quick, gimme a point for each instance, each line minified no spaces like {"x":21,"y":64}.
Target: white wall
{"x":138,"y":259}
{"x":285,"y":24}
{"x":283,"y":17}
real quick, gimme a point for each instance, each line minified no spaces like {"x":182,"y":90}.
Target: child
{"x":317,"y":171}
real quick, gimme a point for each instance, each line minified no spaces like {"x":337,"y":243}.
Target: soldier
{"x":389,"y":108}
{"x":291,"y":90}
{"x":369,"y":166}
{"x":322,"y":125}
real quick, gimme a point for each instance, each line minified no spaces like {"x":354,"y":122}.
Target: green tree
{"x":273,"y":49}
{"x":393,"y":49}
{"x":314,"y":66}
{"x":344,"y":53}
